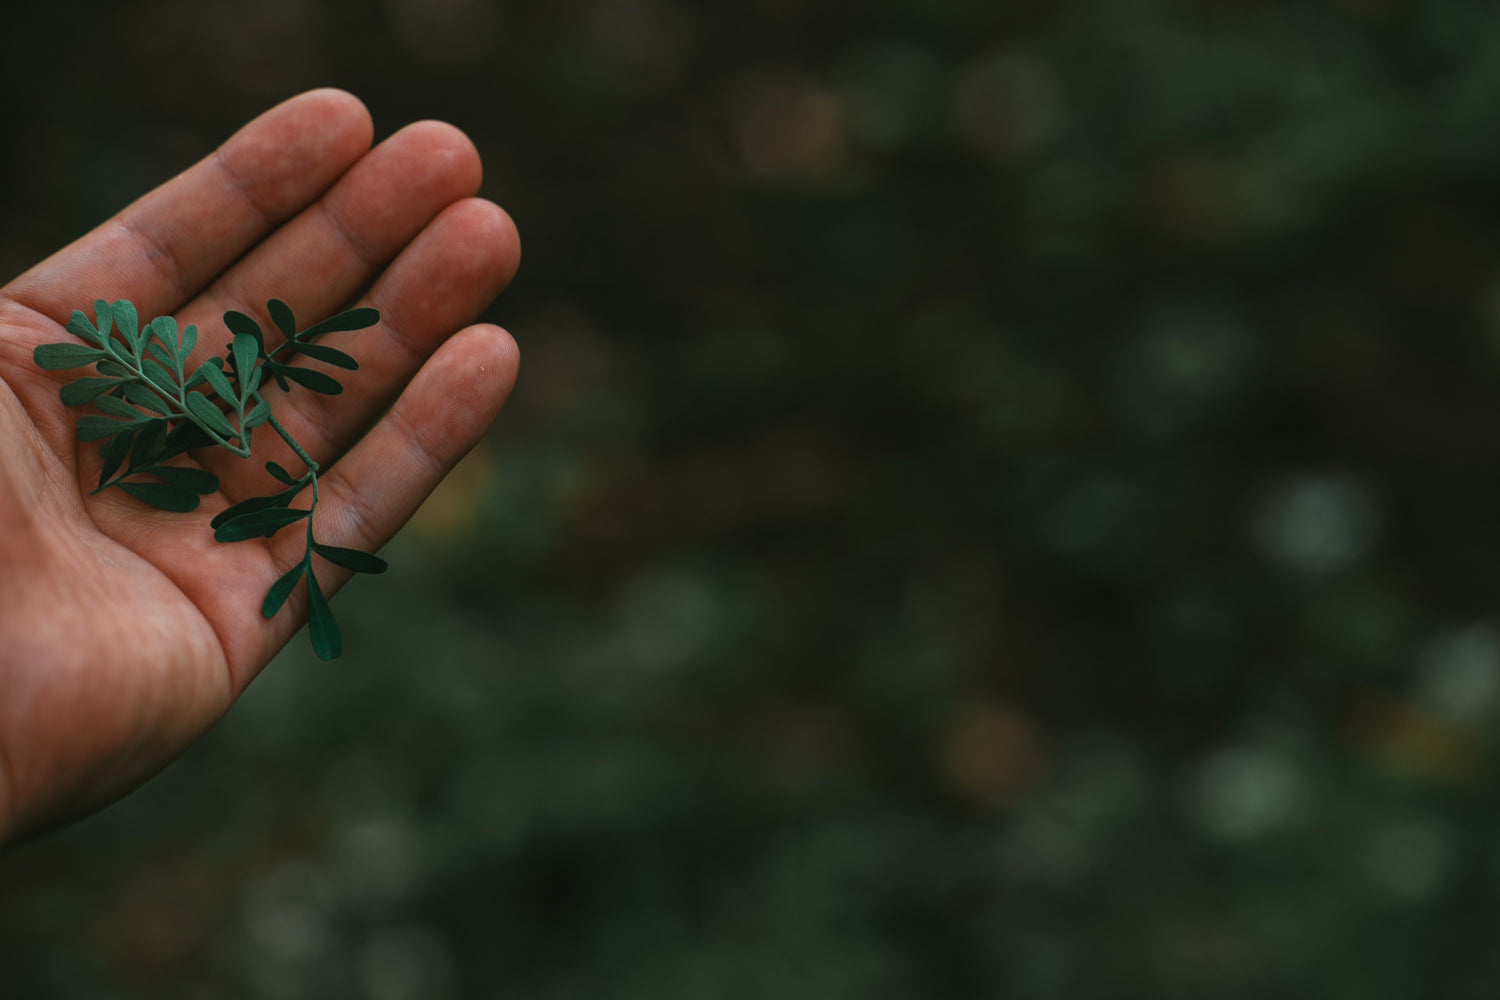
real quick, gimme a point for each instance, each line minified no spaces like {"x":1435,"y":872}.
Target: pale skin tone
{"x":125,"y":632}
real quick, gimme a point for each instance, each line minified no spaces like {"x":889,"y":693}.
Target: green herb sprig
{"x":153,"y":409}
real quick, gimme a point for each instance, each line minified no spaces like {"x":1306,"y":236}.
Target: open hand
{"x":126,"y":631}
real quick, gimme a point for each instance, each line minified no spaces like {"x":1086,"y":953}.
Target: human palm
{"x":126,"y":631}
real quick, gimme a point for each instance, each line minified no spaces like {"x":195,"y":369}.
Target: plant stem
{"x":307,"y":459}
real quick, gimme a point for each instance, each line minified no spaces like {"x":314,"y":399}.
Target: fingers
{"x":162,"y":249}
{"x":321,"y":258}
{"x":440,"y":282}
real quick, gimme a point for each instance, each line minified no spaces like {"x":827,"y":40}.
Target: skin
{"x":126,"y":632}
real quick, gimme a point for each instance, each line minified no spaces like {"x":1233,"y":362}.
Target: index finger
{"x":164,"y":247}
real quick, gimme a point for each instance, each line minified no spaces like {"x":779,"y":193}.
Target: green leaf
{"x":314,"y":380}
{"x":188,"y":342}
{"x":249,"y":385}
{"x":148,"y":444}
{"x":113,"y":452}
{"x":82,"y":390}
{"x":360,"y":562}
{"x":252,"y":504}
{"x":159,"y":376}
{"x":321,"y":626}
{"x":165,"y":329}
{"x":118,"y":408}
{"x":280,"y":590}
{"x":259,"y":414}
{"x":239,"y":323}
{"x":125,"y":319}
{"x":215,"y":377}
{"x":246,"y":349}
{"x":349,"y":319}
{"x":208,"y":415}
{"x":163,"y":495}
{"x":280,"y":473}
{"x":141,"y":396}
{"x":185,"y":436}
{"x":103,"y":319}
{"x":162,"y":353}
{"x":330,"y":355}
{"x":92,"y":427}
{"x":56,"y":357}
{"x":79,"y":326}
{"x":185,"y":477}
{"x":261,"y":522}
{"x":281,"y":315}
{"x":114,"y":369}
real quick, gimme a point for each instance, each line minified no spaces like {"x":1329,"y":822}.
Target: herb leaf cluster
{"x":154,"y":406}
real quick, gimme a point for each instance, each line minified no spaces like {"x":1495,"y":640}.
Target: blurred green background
{"x":1000,"y":502}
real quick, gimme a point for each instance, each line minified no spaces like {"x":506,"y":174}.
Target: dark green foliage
{"x":162,"y":495}
{"x":59,"y":356}
{"x":355,"y":559}
{"x":329,"y":355}
{"x":321,"y":624}
{"x":83,"y":390}
{"x":92,"y":427}
{"x":150,"y":411}
{"x":185,"y":477}
{"x":308,"y":378}
{"x":282,"y":316}
{"x":322,"y":627}
{"x":209,"y":416}
{"x":282,"y":589}
{"x":252,"y":504}
{"x":280,"y":473}
{"x":261,"y":522}
{"x":350,"y":319}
